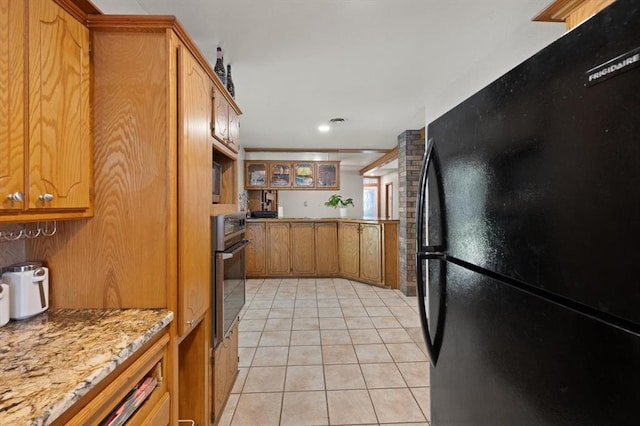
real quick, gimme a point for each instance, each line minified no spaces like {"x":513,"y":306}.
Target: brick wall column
{"x":410,"y":152}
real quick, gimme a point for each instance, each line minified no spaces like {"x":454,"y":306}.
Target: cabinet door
{"x":220,"y":376}
{"x":255,"y":174}
{"x":278,"y":254}
{"x":194,"y":185}
{"x":328,"y":175}
{"x":327,"y":249}
{"x":234,"y":130}
{"x":11,"y":104}
{"x":303,"y":248}
{"x":371,"y":252}
{"x":279,"y":174}
{"x":59,"y":127}
{"x":349,"y":250}
{"x":232,"y":361}
{"x":303,"y":175}
{"x":220,"y":117}
{"x":256,"y":251}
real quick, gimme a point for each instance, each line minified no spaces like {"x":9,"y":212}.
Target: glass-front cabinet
{"x":255,"y":174}
{"x":327,"y":175}
{"x":279,"y":174}
{"x":304,"y":175}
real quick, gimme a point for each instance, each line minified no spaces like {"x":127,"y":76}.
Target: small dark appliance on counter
{"x":264,"y":214}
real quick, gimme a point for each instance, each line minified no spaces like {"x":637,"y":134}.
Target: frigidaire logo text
{"x":613,"y":67}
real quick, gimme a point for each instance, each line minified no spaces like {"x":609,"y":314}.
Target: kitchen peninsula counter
{"x":50,"y":361}
{"x":364,"y":249}
{"x":323,"y":219}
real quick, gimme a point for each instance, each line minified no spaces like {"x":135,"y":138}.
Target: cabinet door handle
{"x":16,"y":196}
{"x":47,"y":198}
{"x":190,"y":323}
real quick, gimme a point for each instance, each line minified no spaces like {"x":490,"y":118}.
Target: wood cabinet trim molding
{"x":572,"y":12}
{"x":558,"y":11}
{"x":79,"y":9}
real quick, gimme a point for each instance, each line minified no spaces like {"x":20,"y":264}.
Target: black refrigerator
{"x":528,"y":238}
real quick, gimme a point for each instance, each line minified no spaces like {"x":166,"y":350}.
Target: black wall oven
{"x":228,"y":245}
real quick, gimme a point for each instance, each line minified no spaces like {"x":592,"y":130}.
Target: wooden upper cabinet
{"x":304,"y":175}
{"x":277,"y":175}
{"x":328,"y":175}
{"x":220,"y":117}
{"x":194,"y":184}
{"x":280,"y":174}
{"x":11,"y":105}
{"x":226,"y":121}
{"x":234,"y":130}
{"x":255,"y":174}
{"x":57,"y":162}
{"x":571,"y":12}
{"x":59,"y":124}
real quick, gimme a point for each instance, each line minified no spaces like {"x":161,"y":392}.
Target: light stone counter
{"x":50,"y":361}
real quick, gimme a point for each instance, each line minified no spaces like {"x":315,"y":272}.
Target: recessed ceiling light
{"x":324,"y":128}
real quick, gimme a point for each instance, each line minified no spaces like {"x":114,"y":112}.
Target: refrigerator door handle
{"x":429,"y":342}
{"x":429,"y":158}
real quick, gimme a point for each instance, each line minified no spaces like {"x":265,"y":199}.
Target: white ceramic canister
{"x":4,"y":303}
{"x":28,"y":288}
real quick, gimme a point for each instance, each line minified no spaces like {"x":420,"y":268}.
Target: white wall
{"x":395,"y":208}
{"x":311,"y":203}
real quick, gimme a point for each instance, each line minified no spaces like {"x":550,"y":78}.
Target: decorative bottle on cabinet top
{"x":230,"y":86}
{"x":219,"y":67}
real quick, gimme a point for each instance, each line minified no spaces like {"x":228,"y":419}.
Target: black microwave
{"x":216,"y":180}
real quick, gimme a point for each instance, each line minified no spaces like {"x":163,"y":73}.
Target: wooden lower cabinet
{"x":279,"y":249}
{"x":369,"y":252}
{"x":256,"y":255}
{"x":371,"y":255}
{"x":349,"y":249}
{"x":154,"y":411}
{"x":303,"y":248}
{"x":358,"y":250}
{"x":326,"y":250}
{"x":225,"y":371}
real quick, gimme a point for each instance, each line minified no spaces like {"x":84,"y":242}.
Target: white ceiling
{"x":383,"y":65}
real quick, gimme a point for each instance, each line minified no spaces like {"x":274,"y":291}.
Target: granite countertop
{"x":49,"y":361}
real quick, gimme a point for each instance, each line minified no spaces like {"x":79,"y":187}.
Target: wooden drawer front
{"x":159,"y":415}
{"x":149,"y":362}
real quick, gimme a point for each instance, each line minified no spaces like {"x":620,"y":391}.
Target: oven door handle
{"x":225,"y":255}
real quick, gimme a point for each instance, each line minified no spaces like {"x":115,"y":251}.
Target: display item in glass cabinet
{"x":280,"y":175}
{"x":303,"y":175}
{"x":257,"y":175}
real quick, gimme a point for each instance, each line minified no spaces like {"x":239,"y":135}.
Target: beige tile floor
{"x":328,"y":352}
